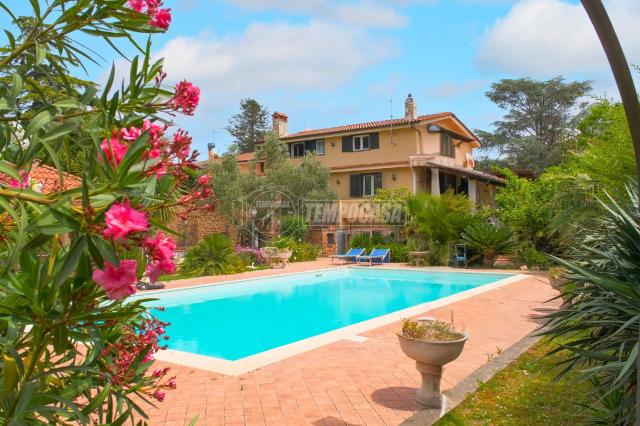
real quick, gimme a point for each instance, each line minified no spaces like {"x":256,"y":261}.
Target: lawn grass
{"x":522,"y":394}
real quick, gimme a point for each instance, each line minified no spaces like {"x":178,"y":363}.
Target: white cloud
{"x":543,"y":37}
{"x":361,"y":14}
{"x":450,"y":89}
{"x":272,"y":57}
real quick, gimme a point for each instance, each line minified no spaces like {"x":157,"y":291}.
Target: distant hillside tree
{"x":539,"y":125}
{"x":249,"y":126}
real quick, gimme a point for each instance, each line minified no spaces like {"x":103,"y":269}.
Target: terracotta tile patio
{"x":348,"y":382}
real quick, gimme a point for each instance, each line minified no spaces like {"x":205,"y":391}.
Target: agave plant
{"x":600,"y":323}
{"x":213,"y":255}
{"x":490,"y":240}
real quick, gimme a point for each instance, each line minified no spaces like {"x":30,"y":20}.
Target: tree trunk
{"x":621,"y":72}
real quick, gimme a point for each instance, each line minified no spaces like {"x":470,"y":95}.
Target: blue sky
{"x":331,"y":62}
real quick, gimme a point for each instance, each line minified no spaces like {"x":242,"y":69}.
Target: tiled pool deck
{"x":368,"y":382}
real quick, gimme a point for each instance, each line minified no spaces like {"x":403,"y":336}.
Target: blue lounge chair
{"x":350,"y":256}
{"x":376,"y":256}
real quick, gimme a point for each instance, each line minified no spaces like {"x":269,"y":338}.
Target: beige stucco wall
{"x":403,"y":179}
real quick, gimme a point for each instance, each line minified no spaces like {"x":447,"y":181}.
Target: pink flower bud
{"x":159,"y":395}
{"x":203,"y":180}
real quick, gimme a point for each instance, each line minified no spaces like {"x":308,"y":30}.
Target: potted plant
{"x":490,"y":240}
{"x":431,"y":344}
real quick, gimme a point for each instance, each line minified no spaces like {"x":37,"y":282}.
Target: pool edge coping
{"x":262,"y":359}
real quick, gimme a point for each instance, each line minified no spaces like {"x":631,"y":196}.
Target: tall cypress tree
{"x":249,"y":126}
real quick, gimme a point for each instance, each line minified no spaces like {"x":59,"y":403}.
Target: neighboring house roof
{"x":245,"y":157}
{"x":374,"y":125}
{"x":49,"y":178}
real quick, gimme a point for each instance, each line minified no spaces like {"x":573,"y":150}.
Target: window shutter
{"x":377,"y":181}
{"x":346,"y":144}
{"x":309,"y":146}
{"x":355,"y":185}
{"x":374,"y":140}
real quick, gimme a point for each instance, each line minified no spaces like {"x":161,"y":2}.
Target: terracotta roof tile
{"x":366,"y":126}
{"x":50,"y":180}
{"x":245,"y":156}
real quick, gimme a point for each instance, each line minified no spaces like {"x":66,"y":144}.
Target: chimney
{"x":212,"y":151}
{"x":280,"y":124}
{"x":410,"y":108}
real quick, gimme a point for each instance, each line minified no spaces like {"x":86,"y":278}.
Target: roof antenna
{"x":391,"y":118}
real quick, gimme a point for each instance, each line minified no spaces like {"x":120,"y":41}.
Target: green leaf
{"x":68,"y":103}
{"x":106,"y":251}
{"x":16,"y":81}
{"x":71,"y":260}
{"x":60,"y":339}
{"x":60,"y":131}
{"x":37,"y":122}
{"x":9,"y":170}
{"x":108,"y":84}
{"x":41,"y":53}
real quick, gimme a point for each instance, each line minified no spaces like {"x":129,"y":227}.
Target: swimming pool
{"x":241,"y":319}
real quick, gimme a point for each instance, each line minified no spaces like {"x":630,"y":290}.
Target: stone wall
{"x":325,"y":238}
{"x":199,"y":224}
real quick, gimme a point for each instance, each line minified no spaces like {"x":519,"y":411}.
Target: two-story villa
{"x":424,"y":153}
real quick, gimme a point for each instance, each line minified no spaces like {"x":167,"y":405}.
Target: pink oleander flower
{"x":155,"y":131}
{"x":172,"y":383}
{"x":116,"y":152}
{"x":161,"y":18}
{"x":161,"y":247}
{"x":23,"y":183}
{"x":154,"y":153}
{"x":155,"y":268}
{"x":161,"y":250}
{"x":122,"y":220}
{"x":203,"y":180}
{"x":118,"y":282}
{"x":131,"y":134}
{"x":187,"y":97}
{"x":158,"y":372}
{"x":138,"y":5}
{"x":159,"y":395}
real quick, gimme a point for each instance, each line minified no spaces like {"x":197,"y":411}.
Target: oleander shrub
{"x":74,"y":349}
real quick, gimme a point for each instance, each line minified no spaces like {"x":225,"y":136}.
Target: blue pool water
{"x":235,"y":320}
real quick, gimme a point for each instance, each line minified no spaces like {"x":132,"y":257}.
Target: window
{"x":320,"y":147}
{"x":368,"y":185}
{"x":363,"y":185}
{"x":446,"y":145}
{"x":360,"y":142}
{"x":297,"y":149}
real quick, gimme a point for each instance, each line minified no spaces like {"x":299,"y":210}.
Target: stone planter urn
{"x":283,"y":257}
{"x":430,"y":357}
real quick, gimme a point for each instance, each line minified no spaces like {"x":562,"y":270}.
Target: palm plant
{"x":439,"y":218}
{"x":213,"y":255}
{"x":600,"y":322}
{"x":490,"y":240}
